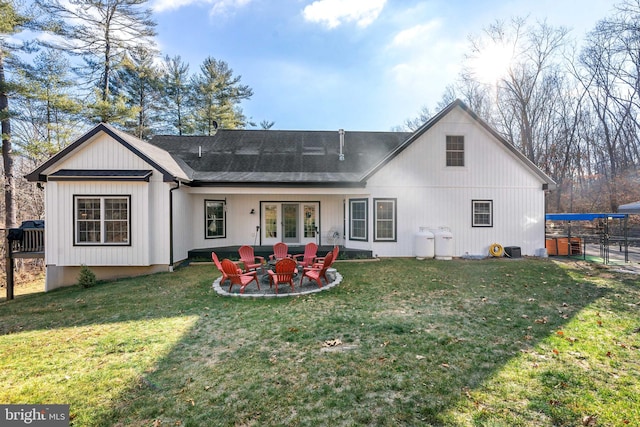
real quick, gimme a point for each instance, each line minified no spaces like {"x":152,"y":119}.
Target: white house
{"x":124,"y":206}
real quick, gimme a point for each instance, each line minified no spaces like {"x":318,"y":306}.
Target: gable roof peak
{"x":158,"y":158}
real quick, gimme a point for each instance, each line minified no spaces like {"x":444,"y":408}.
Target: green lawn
{"x":522,"y":342}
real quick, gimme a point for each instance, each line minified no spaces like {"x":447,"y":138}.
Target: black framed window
{"x":215,"y":219}
{"x":102,"y":220}
{"x":358,"y":219}
{"x":482,"y":213}
{"x":384,"y":221}
{"x":455,"y":150}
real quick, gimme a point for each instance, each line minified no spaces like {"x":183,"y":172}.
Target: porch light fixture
{"x":253,"y":211}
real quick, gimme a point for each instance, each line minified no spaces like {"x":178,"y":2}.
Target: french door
{"x":289,"y":222}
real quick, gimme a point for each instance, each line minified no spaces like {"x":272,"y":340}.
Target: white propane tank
{"x":425,"y":245}
{"x":443,"y":243}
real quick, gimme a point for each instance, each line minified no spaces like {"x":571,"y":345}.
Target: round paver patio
{"x":284,"y":290}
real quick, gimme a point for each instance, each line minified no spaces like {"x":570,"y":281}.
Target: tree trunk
{"x":9,"y":184}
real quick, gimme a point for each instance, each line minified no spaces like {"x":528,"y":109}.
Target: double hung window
{"x":215,"y":219}
{"x":385,"y":220}
{"x":455,"y":150}
{"x":102,"y":220}
{"x":482,"y":213}
{"x":358,"y":219}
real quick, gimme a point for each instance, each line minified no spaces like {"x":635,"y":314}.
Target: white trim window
{"x":102,"y":220}
{"x":358,"y":219}
{"x":455,"y":150}
{"x":384,"y":221}
{"x":482,"y":213}
{"x":215,"y":219}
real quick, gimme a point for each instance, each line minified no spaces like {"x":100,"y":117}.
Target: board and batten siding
{"x":182,"y":225}
{"x":241,"y":224}
{"x":149,"y":209}
{"x":59,"y":231}
{"x":433,"y":195}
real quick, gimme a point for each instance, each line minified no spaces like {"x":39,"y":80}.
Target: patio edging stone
{"x":218,"y":288}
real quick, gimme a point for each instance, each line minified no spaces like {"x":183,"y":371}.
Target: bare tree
{"x":609,"y":73}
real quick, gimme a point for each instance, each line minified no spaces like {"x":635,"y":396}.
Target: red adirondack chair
{"x":309,"y":256}
{"x":237,"y":278}
{"x":216,"y":261}
{"x":285,"y":270}
{"x":317,"y":274}
{"x":320,"y":260}
{"x":248,"y":258}
{"x":280,"y":251}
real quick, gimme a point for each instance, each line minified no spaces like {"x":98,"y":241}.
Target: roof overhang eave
{"x":280,"y":184}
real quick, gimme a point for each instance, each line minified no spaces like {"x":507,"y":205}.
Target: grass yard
{"x":399,"y":342}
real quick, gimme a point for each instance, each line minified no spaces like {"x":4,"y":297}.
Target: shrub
{"x":86,"y":278}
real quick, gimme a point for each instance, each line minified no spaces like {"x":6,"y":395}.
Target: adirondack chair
{"x":280,"y":251}
{"x":237,"y":278}
{"x":309,"y":256}
{"x":317,"y":274}
{"x":285,"y":269}
{"x":248,"y":258}
{"x":216,"y":261}
{"x":320,"y":260}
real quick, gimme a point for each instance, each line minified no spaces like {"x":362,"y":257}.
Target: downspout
{"x":171,"y":190}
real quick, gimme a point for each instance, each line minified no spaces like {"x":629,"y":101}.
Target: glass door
{"x":291,"y":223}
{"x":270,"y":223}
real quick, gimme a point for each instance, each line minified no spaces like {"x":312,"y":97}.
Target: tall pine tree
{"x":100,"y":32}
{"x":10,"y":23}
{"x":139,"y":82}
{"x":216,"y":97}
{"x":176,"y":88}
{"x":46,"y":112}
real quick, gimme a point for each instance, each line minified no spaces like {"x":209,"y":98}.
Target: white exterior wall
{"x":431,"y":194}
{"x":59,"y":230}
{"x":182,"y":224}
{"x":149,"y":213}
{"x":241,"y":224}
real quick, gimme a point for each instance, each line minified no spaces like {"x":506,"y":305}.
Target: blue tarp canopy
{"x":581,"y":216}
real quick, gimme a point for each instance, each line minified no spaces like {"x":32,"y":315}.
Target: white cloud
{"x":165,"y":5}
{"x":218,"y":7}
{"x":333,"y":13}
{"x":418,"y":34}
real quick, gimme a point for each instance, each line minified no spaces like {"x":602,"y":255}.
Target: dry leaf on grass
{"x":332,"y":343}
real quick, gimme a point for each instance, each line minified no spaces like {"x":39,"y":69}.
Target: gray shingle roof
{"x":274,"y":157}
{"x":277,"y":156}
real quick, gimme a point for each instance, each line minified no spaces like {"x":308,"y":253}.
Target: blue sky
{"x":352,"y":64}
